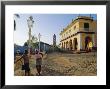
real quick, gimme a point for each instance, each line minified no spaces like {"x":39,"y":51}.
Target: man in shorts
{"x":26,"y":63}
{"x":38,"y":57}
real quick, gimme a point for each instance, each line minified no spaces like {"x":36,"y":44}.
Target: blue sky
{"x":45,"y":24}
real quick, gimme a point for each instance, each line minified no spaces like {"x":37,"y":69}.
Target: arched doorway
{"x":75,"y":43}
{"x":87,"y":40}
{"x":70,"y":44}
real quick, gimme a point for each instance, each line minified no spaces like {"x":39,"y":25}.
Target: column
{"x":93,"y":40}
{"x":80,"y":41}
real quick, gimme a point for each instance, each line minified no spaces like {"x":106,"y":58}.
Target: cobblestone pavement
{"x":62,"y":64}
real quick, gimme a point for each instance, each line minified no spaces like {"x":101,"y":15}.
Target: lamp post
{"x":39,"y":35}
{"x":30,"y":25}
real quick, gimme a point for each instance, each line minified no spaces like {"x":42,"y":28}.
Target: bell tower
{"x":54,"y":40}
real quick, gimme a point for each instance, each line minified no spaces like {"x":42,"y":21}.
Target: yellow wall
{"x":92,"y":25}
{"x":73,"y":31}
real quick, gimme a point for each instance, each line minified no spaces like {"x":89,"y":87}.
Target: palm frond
{"x":17,"y":15}
{"x":14,"y":25}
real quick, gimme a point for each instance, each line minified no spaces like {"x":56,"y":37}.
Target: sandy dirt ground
{"x":63,"y":64}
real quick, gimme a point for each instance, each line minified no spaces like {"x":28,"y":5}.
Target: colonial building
{"x":79,"y":33}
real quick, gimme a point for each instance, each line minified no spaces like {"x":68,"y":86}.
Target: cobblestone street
{"x":62,"y":64}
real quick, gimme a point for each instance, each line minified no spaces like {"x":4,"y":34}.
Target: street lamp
{"x":30,"y":25}
{"x":39,"y":36}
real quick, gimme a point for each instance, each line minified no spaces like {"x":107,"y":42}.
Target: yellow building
{"x":78,"y":34}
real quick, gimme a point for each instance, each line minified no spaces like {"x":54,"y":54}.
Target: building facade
{"x":78,"y":34}
{"x":44,"y":46}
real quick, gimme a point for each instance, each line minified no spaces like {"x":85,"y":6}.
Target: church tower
{"x":54,"y":40}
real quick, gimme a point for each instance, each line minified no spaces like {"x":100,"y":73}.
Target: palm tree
{"x":16,"y":16}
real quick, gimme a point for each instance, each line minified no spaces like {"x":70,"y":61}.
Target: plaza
{"x":63,"y":64}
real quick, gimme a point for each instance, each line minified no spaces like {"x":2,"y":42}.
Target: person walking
{"x":25,"y":66}
{"x":38,"y":57}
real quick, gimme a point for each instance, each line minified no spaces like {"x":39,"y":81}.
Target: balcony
{"x":85,"y":29}
{"x":80,"y":30}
